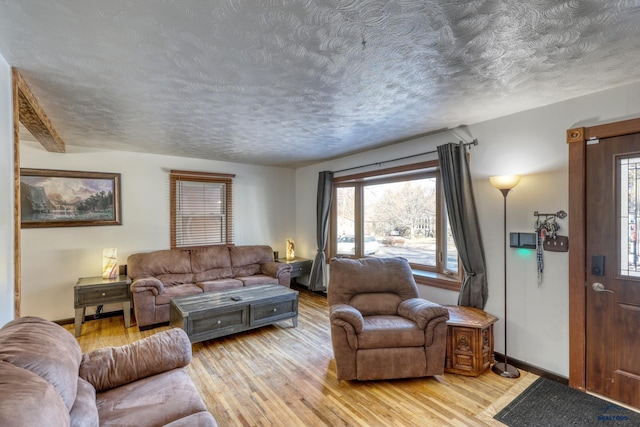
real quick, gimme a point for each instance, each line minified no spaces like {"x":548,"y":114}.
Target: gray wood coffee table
{"x":216,"y":314}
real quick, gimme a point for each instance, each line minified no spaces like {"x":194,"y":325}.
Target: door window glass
{"x":629,"y":199}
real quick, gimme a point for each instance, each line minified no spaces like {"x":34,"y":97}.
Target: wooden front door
{"x":612,"y":259}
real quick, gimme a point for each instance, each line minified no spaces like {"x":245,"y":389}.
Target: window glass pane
{"x":345,"y":204}
{"x":628,"y":207}
{"x":200,"y":213}
{"x":400,"y":220}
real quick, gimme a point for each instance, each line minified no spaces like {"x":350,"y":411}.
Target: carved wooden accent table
{"x":469,"y":341}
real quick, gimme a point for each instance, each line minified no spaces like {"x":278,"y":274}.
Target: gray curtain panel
{"x":463,"y":218}
{"x":318,"y":277}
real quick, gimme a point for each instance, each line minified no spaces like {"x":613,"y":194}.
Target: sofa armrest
{"x":348,"y":314}
{"x":111,"y":367}
{"x":422,"y":311}
{"x":147,"y":284}
{"x":274,"y":269}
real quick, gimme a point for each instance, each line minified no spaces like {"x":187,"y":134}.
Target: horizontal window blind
{"x":201,"y":209}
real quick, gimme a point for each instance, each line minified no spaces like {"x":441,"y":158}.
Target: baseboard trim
{"x":533,"y":369}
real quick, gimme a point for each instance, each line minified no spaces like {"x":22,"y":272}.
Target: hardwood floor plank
{"x":279,"y":375}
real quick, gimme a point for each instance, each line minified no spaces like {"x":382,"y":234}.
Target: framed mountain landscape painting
{"x":55,"y":198}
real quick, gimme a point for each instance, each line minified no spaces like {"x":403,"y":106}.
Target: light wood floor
{"x":284,"y":376}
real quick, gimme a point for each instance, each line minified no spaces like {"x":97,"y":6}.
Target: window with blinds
{"x":201,"y":209}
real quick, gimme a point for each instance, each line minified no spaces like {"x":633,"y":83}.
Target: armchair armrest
{"x":111,"y":367}
{"x":421,"y":311}
{"x":148,"y":284}
{"x":348,"y":314}
{"x":274,"y":269}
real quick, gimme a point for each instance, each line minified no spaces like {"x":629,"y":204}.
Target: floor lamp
{"x":505,"y":183}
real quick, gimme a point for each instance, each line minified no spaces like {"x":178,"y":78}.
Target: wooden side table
{"x":299,"y":267}
{"x":94,"y":291}
{"x":469,"y":341}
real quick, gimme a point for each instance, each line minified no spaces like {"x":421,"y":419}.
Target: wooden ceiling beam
{"x":33,"y":117}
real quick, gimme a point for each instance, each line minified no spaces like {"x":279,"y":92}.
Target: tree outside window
{"x":393,"y":213}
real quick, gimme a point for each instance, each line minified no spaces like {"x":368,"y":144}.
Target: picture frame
{"x":58,"y":198}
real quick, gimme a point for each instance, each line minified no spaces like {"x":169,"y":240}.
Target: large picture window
{"x":201,"y":209}
{"x":396,"y":212}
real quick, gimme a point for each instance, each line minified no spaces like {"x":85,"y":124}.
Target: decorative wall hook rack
{"x":547,"y":237}
{"x":559,"y":214}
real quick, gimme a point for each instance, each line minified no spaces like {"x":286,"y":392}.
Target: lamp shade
{"x":505,"y":182}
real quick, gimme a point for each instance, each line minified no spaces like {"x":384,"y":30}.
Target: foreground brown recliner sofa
{"x":45,"y":380}
{"x":380,"y":329}
{"x":161,"y":275}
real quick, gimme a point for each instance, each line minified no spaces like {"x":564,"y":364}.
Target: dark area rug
{"x":549,"y":403}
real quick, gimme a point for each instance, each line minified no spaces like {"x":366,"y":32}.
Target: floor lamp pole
{"x":503,"y":368}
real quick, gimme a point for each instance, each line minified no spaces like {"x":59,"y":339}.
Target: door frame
{"x":577,"y":139}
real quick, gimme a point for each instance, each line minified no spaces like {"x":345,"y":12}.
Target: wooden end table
{"x":469,"y":341}
{"x":299,"y":267}
{"x":94,"y":291}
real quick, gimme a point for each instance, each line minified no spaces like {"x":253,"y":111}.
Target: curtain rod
{"x":466,"y":144}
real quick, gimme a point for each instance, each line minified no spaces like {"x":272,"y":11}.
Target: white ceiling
{"x":292,"y":82}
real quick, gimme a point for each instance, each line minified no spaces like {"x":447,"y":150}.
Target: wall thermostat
{"x":522,"y":240}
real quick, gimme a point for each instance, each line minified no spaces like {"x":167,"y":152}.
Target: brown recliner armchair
{"x":380,"y":328}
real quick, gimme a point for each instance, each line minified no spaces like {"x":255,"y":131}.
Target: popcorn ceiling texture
{"x":292,"y":82}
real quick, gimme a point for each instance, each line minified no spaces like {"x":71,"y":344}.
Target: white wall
{"x":532,"y":144}
{"x":54,"y":258}
{"x":7,"y":271}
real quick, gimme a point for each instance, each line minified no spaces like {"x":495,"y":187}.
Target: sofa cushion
{"x":175,"y":278}
{"x":45,"y":349}
{"x":370,"y":303}
{"x":171,"y":266}
{"x":211,"y":263}
{"x":111,"y":367}
{"x":258,"y":279}
{"x":152,"y":401}
{"x":246,"y":270}
{"x":368,"y":282}
{"x":245,"y":259}
{"x":26,"y":399}
{"x":219,"y":285}
{"x":389,"y":331}
{"x":84,"y":412}
{"x":214,"y":274}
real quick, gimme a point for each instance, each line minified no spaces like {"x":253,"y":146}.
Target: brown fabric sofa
{"x":45,"y":380}
{"x":161,"y":275}
{"x":380,"y":329}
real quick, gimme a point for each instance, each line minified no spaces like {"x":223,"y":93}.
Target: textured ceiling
{"x":292,"y":82}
